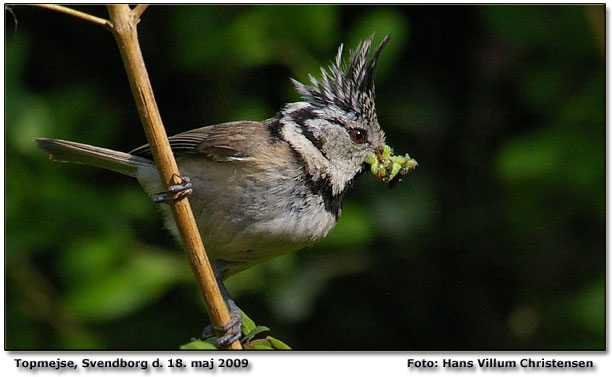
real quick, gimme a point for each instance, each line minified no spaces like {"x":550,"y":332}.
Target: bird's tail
{"x":69,"y":151}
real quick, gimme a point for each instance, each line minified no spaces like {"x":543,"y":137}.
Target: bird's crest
{"x":349,"y":87}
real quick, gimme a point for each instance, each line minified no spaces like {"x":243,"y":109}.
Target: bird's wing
{"x":221,"y":142}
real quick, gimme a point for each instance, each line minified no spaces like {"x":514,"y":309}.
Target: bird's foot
{"x":175,"y":192}
{"x":232,"y":330}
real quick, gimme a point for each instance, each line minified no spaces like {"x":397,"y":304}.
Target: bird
{"x":260,"y":189}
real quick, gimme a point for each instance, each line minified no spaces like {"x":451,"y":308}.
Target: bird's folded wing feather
{"x":221,"y":142}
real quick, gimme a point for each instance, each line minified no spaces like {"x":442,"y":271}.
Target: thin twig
{"x":9,"y":9}
{"x":138,"y":11}
{"x":126,"y":35}
{"x":85,"y":16}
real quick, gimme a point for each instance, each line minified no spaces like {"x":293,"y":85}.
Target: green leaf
{"x":198,"y":344}
{"x":260,"y":344}
{"x":247,"y":323}
{"x":269,"y":343}
{"x":277,"y":344}
{"x":256,"y":330}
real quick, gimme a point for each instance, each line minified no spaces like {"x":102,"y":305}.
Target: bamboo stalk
{"x":123,"y":24}
{"x":124,"y":29}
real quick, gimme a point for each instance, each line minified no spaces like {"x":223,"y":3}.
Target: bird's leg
{"x":233,"y":329}
{"x":175,"y":192}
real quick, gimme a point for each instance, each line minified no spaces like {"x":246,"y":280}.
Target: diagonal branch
{"x":122,"y":24}
{"x":126,"y":35}
{"x":85,"y":16}
{"x":138,"y":11}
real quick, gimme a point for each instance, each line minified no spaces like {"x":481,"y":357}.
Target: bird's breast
{"x":246,"y":214}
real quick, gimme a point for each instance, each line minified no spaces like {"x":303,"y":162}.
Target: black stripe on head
{"x":337,"y":122}
{"x":275,"y":129}
{"x":300,"y":117}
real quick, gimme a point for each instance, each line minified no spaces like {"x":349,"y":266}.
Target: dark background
{"x":496,"y":241}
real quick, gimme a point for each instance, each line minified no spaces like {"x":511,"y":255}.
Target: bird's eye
{"x":358,"y":135}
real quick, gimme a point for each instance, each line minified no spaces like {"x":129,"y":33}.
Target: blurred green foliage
{"x":497,"y":241}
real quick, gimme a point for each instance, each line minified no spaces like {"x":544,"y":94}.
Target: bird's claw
{"x":232,"y":330}
{"x":175,"y":192}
